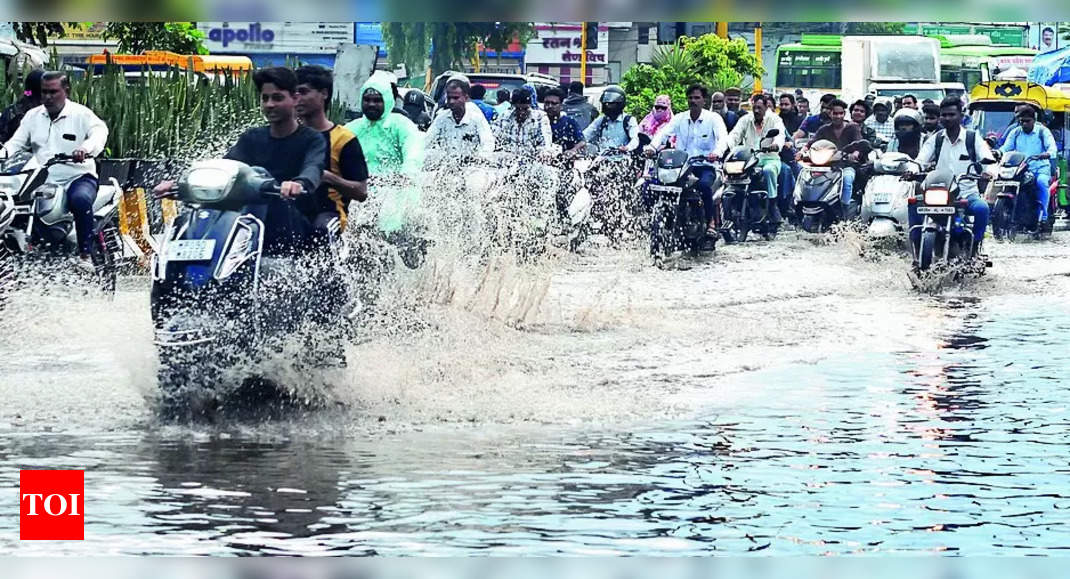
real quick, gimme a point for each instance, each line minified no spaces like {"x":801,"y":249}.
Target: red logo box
{"x":51,"y":505}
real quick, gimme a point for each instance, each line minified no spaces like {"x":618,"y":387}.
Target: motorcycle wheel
{"x":927,"y":250}
{"x":741,"y":226}
{"x":1003,"y":220}
{"x":811,"y":223}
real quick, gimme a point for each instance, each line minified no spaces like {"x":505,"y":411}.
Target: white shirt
{"x":950,"y":153}
{"x":699,"y":137}
{"x":76,"y":127}
{"x":468,"y":138}
{"x":745,"y":133}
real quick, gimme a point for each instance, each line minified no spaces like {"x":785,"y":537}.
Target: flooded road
{"x":783,"y":398}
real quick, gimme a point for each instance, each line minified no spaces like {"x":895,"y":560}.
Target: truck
{"x":891,"y":65}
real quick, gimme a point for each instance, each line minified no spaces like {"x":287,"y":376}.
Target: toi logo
{"x":51,"y":505}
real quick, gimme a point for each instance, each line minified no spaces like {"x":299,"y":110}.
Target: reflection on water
{"x":961,"y":448}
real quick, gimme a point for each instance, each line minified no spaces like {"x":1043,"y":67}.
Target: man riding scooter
{"x":63,"y":127}
{"x":1034,"y":141}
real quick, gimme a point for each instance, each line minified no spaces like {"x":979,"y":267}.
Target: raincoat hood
{"x":380,"y":82}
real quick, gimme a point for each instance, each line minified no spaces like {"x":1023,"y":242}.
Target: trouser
{"x":325,"y":226}
{"x":977,"y":207}
{"x":848,"y":174}
{"x":81,"y":194}
{"x":788,"y":173}
{"x":1043,"y":193}
{"x":706,"y":179}
{"x":771,"y":170}
{"x":286,"y":229}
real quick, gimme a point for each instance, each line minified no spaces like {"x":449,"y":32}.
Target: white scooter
{"x":886,"y":198}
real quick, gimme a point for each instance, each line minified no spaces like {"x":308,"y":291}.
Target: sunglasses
{"x":660,"y":108}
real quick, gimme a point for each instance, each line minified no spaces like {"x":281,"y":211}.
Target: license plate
{"x":190,"y":250}
{"x":936,"y":210}
{"x":666,"y":189}
{"x":819,"y":169}
{"x":882,"y":197}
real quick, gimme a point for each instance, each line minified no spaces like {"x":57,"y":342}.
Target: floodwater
{"x":780,"y":398}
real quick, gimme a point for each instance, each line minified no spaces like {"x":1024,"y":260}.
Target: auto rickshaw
{"x":992,"y":106}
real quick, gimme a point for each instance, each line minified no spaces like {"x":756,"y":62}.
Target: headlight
{"x":734,"y":167}
{"x":236,"y":253}
{"x":1008,"y":172}
{"x":46,"y":191}
{"x":822,"y":157}
{"x":668,"y":176}
{"x":936,"y":197}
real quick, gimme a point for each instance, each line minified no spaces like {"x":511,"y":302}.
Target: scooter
{"x":1015,"y":207}
{"x":886,"y":198}
{"x":37,"y":218}
{"x":946,"y":231}
{"x":820,"y":184}
{"x":678,"y":216}
{"x":218,"y":301}
{"x":745,"y":203}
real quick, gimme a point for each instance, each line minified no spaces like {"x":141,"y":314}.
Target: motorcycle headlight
{"x":46,"y":191}
{"x":1008,"y":172}
{"x":936,"y":197}
{"x":668,"y":176}
{"x":734,"y":167}
{"x":236,"y":253}
{"x":822,"y":156}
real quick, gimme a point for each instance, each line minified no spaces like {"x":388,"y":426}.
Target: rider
{"x":460,"y":131}
{"x":879,"y":122}
{"x":841,"y":134}
{"x":345,"y":177}
{"x":61,"y":126}
{"x":699,"y":133}
{"x":12,"y":115}
{"x":931,"y":112}
{"x":524,"y":130}
{"x":294,"y":155}
{"x":613,"y":131}
{"x":564,"y":129}
{"x":750,"y":131}
{"x":953,"y":143}
{"x":478,"y":93}
{"x":576,"y":106}
{"x":907,"y":138}
{"x":415,"y":107}
{"x":1032,"y":139}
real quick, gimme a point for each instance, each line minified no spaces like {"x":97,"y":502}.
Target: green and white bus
{"x":974,"y":60}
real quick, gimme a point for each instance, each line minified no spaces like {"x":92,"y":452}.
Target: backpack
{"x":971,"y":145}
{"x":602,"y":125}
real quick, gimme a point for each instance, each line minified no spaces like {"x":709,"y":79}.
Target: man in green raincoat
{"x":392,"y":146}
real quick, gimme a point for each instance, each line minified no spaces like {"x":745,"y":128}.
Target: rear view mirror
{"x":988,"y":161}
{"x":772,"y":133}
{"x":964,"y":158}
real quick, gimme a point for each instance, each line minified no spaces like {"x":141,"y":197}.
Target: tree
{"x":407,"y":43}
{"x":137,"y":37}
{"x":38,"y":32}
{"x":502,"y":34}
{"x":452,"y":44}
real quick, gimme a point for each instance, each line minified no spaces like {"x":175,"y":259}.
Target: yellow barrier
{"x":134,"y":225}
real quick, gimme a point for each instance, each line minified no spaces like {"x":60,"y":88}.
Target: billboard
{"x":1044,"y":36}
{"x":276,"y":37}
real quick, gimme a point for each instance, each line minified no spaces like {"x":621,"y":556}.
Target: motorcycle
{"x":218,"y":301}
{"x":820,"y":185}
{"x":946,"y":230}
{"x":886,"y":198}
{"x":678,"y":216}
{"x":1015,"y":207}
{"x":37,"y":218}
{"x":614,"y":211}
{"x":745,"y":203}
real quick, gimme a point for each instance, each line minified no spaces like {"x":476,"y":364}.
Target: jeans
{"x":286,"y":229}
{"x":706,"y":178}
{"x":1043,"y":192}
{"x":848,"y":174}
{"x":977,"y":207}
{"x":788,"y":173}
{"x":771,"y":169}
{"x":81,"y":194}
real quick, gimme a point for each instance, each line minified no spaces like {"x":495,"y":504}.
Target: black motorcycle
{"x":745,"y":204}
{"x":1015,"y":207}
{"x":820,"y":184}
{"x":946,"y":230}
{"x":678,"y":215}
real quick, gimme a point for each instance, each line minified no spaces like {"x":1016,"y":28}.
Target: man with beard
{"x":460,"y":132}
{"x":814,"y":122}
{"x":788,"y":114}
{"x":717,"y":105}
{"x":930,"y":120}
{"x":750,"y":132}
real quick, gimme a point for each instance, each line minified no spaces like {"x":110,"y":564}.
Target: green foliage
{"x":38,"y":32}
{"x":454,"y":43}
{"x":708,"y":59}
{"x":875,"y":27}
{"x":137,"y":37}
{"x":177,"y":115}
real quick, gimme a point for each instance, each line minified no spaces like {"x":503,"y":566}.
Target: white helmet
{"x":907,"y":113}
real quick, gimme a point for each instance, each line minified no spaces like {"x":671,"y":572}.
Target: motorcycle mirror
{"x":772,"y":133}
{"x":964,"y":158}
{"x":988,"y":161}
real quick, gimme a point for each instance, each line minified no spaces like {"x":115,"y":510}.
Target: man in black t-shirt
{"x":345,"y":176}
{"x":292,"y":154}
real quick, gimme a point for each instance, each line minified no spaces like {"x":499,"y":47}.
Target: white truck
{"x":890,"y":66}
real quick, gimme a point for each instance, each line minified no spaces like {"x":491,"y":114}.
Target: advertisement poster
{"x":1044,"y":36}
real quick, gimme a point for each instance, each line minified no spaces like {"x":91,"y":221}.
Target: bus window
{"x":808,"y":69}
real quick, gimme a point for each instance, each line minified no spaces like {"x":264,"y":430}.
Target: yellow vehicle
{"x":158,"y":61}
{"x":992,"y":107}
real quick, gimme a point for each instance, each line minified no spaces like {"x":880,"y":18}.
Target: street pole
{"x":722,"y":30}
{"x":758,"y":54}
{"x":583,"y":53}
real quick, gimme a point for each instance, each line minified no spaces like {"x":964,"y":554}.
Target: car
{"x":492,"y":81}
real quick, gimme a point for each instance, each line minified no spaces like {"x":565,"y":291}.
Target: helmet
{"x":613,"y":94}
{"x":414,"y":96}
{"x":906,"y":114}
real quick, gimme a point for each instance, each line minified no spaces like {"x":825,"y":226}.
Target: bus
{"x":814,"y":64}
{"x":973,"y":60}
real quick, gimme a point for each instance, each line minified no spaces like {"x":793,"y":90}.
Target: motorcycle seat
{"x":105,"y":196}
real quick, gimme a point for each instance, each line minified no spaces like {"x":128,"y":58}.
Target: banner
{"x":276,"y":37}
